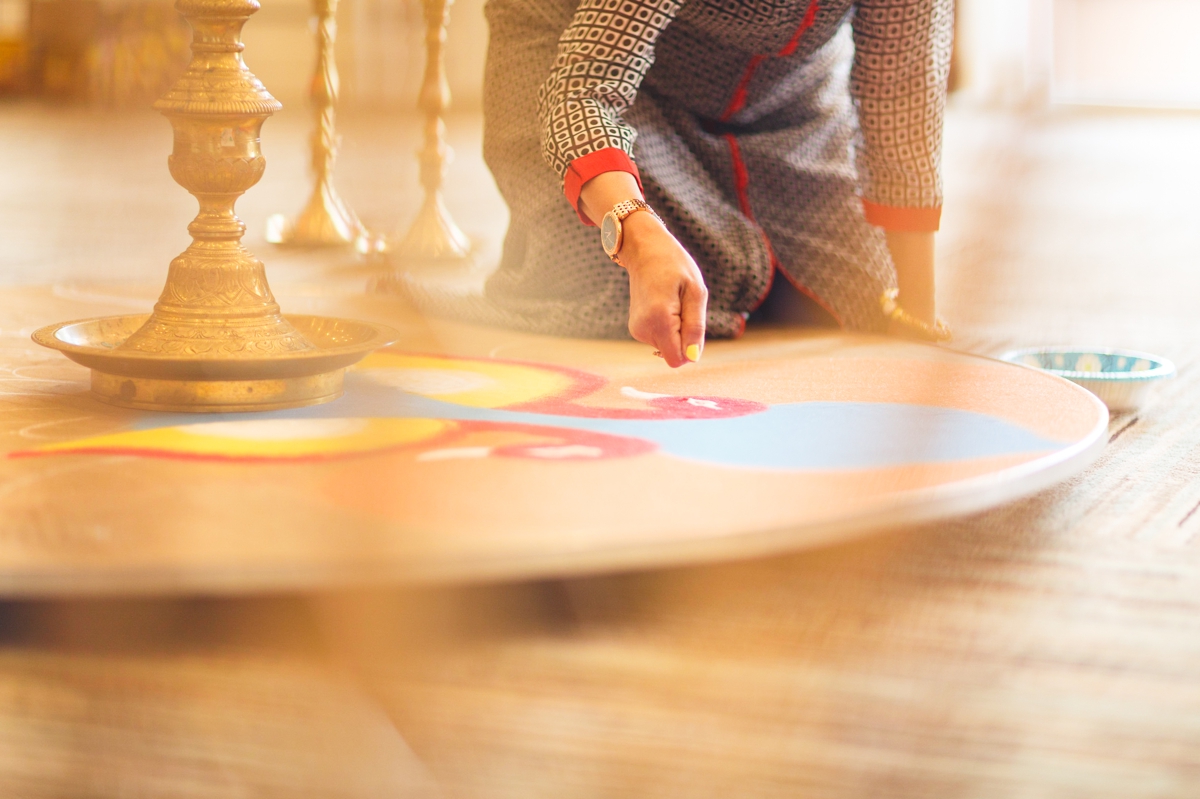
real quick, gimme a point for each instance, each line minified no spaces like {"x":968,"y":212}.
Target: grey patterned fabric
{"x":602,"y":58}
{"x":741,"y":116}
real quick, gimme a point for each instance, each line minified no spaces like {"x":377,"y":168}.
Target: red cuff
{"x":586,"y":167}
{"x":910,"y":220}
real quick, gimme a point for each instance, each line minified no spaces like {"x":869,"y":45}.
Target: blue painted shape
{"x":804,"y":435}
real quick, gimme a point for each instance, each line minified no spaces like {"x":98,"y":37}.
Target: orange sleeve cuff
{"x":911,"y":220}
{"x":586,"y":167}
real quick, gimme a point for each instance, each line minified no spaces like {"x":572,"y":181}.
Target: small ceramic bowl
{"x":1121,"y":378}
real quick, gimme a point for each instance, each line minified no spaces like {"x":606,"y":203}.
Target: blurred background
{"x":113,"y":53}
{"x":1049,"y":648}
{"x":116,"y":54}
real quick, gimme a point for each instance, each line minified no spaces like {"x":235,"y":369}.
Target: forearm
{"x":645,"y":237}
{"x":902,"y":185}
{"x":912,"y":253}
{"x":604,"y":191}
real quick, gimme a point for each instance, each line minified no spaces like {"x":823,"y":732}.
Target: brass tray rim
{"x":110,"y":360}
{"x":381,"y":336}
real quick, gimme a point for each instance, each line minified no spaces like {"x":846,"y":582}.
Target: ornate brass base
{"x":164,"y":382}
{"x":324,"y":222}
{"x":216,"y":340}
{"x":434,"y":238}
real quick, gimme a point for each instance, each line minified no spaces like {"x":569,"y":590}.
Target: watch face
{"x":610,"y":233}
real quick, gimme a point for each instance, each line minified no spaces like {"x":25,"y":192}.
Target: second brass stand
{"x":326,"y":220}
{"x":433,"y":239}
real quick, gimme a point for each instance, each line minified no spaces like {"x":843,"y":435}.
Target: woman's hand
{"x":668,"y":301}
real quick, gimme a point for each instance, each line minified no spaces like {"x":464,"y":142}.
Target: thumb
{"x":693,"y":311}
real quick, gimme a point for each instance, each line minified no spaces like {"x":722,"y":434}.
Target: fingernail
{"x":693,"y":352}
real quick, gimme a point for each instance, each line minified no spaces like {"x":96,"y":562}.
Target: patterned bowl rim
{"x":1162,"y":367}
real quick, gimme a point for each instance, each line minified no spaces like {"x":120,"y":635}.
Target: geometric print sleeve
{"x":603,"y":55}
{"x":901,"y":63}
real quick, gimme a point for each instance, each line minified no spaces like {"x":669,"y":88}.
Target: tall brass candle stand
{"x":326,"y":220}
{"x":216,"y":340}
{"x":433,"y":238}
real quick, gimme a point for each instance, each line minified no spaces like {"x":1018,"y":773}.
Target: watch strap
{"x":626,"y":207}
{"x":620,"y":212}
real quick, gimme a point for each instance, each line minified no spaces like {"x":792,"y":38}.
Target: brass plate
{"x":165,"y":382}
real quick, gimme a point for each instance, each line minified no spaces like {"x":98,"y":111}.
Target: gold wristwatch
{"x":612,"y":233}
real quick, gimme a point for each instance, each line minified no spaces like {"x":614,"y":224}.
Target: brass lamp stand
{"x":433,"y":238}
{"x":326,"y":220}
{"x":216,"y":340}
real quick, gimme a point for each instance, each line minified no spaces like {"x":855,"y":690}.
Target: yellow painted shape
{"x":477,"y":383}
{"x":265,"y":438}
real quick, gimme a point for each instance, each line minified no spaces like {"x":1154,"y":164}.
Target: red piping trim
{"x":741,"y":182}
{"x":741,"y":176}
{"x":812,"y":295}
{"x":810,"y":17}
{"x":738,"y":101}
{"x":739,"y":94}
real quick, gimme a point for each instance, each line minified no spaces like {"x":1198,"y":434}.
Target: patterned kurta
{"x":774,"y":137}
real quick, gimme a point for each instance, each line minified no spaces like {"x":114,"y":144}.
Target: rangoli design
{"x":449,"y":408}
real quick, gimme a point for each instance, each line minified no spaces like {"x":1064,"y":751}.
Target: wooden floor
{"x":1050,"y":648}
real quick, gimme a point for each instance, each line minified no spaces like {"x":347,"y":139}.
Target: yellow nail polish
{"x":693,"y":352}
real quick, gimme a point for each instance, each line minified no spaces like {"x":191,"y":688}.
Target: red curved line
{"x":583,"y":384}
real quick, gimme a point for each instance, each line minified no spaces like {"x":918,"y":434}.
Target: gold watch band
{"x":626,"y":207}
{"x":611,"y":233}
